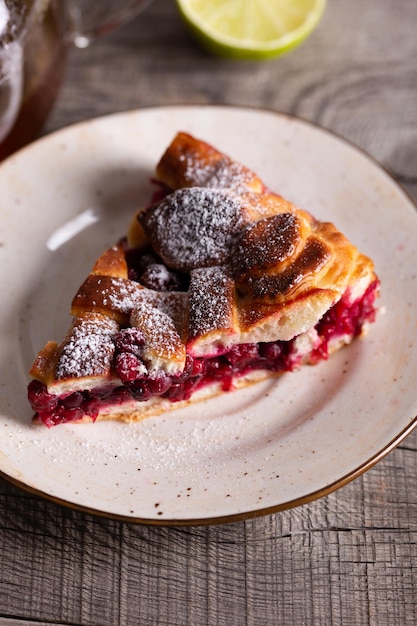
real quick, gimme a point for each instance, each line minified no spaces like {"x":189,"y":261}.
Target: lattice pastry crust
{"x":218,"y":283}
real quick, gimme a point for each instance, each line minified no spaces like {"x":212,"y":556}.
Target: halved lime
{"x":251,"y":29}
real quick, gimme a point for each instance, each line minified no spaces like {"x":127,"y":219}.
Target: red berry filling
{"x":277,"y":356}
{"x":344,"y":319}
{"x":148,"y":268}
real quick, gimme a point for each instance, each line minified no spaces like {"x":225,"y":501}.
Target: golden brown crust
{"x":111,"y":263}
{"x":190,"y":162}
{"x":260,"y":270}
{"x":136,"y":237}
{"x":114,"y":297}
{"x":213,"y":315}
{"x":194,"y":227}
{"x":43,"y":368}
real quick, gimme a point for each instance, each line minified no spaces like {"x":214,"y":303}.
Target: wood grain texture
{"x":356,"y":75}
{"x":349,"y":558}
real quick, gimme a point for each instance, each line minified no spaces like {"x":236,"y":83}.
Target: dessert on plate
{"x":218,"y":283}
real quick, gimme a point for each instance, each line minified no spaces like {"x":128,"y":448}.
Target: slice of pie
{"x":218,"y":283}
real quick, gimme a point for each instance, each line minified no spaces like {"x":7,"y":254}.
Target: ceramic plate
{"x":64,"y":199}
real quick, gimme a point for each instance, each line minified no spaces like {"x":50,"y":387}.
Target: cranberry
{"x":261,"y":363}
{"x":183,"y":391}
{"x":91,"y":408}
{"x":71,"y":415}
{"x":242,"y":354}
{"x":73,"y":401}
{"x":227,"y":383}
{"x":159,"y":385}
{"x":190,"y":385}
{"x":199,"y":367}
{"x":158,"y":277}
{"x":133,"y":274}
{"x":148,"y":258}
{"x":218,"y":368}
{"x":39,"y":397}
{"x":320,"y":353}
{"x":175,"y":393}
{"x":137,"y":260}
{"x":139,"y":390}
{"x":101,"y":393}
{"x":130,"y":340}
{"x":340,"y":320}
{"x":50,"y":418}
{"x":368,"y":308}
{"x":271,"y":351}
{"x":119,"y":395}
{"x":127,"y":366}
{"x":60,"y":415}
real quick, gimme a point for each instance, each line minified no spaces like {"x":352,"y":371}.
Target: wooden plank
{"x":11,"y":621}
{"x":349,"y":558}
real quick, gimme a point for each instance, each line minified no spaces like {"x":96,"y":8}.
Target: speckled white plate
{"x":64,"y":199}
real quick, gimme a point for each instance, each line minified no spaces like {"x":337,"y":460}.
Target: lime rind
{"x":227,"y":46}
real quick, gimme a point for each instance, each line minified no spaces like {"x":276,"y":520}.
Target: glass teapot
{"x":34,"y":38}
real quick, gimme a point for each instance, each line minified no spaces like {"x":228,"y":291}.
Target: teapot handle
{"x":89,"y":19}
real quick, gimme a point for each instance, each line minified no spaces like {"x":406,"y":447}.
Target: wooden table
{"x":349,"y":558}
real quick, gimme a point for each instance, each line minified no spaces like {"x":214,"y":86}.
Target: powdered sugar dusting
{"x":122,"y":295}
{"x":89,"y":348}
{"x":162,"y":341}
{"x":217,"y":231}
{"x":194,"y":227}
{"x":266,"y":243}
{"x":216,"y":174}
{"x":160,"y":315}
{"x":211,"y":301}
{"x":175,"y":305}
{"x":105,"y":293}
